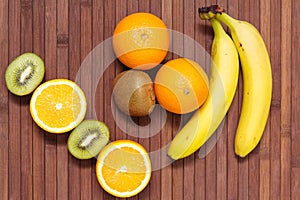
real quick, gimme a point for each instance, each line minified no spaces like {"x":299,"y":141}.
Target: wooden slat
{"x":144,"y":134}
{"x":74,"y":64}
{"x":243,"y":162}
{"x":98,"y":35}
{"x":200,"y":55}
{"x":109,"y":24}
{"x":51,"y":73}
{"x":295,"y":192}
{"x":253,"y":160}
{"x":189,"y":52}
{"x":211,"y":157}
{"x":275,"y":52}
{"x":265,"y":141}
{"x":4,"y":126}
{"x":120,"y":118}
{"x":132,"y":128}
{"x":286,"y":90}
{"x":14,"y":105}
{"x":26,"y":121}
{"x":62,"y":72}
{"x":86,"y":84}
{"x":233,"y":113}
{"x":222,"y":163}
{"x":177,"y":166}
{"x":166,"y":132}
{"x":155,"y":141}
{"x":38,"y":134}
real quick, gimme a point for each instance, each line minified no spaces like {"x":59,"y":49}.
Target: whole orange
{"x":181,"y":86}
{"x":141,"y":41}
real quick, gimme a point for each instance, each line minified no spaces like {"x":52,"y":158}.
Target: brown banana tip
{"x":213,"y":8}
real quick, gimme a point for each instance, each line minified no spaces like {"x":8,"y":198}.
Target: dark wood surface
{"x":36,"y":165}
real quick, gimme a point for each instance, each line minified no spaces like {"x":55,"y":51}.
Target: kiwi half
{"x":24,"y":74}
{"x":87,"y":139}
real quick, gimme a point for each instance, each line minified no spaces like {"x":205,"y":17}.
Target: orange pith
{"x":181,"y":86}
{"x":141,"y":40}
{"x":123,"y":168}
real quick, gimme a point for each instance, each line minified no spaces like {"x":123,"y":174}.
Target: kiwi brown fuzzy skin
{"x":24,"y":74}
{"x":88,"y":138}
{"x":133,"y":93}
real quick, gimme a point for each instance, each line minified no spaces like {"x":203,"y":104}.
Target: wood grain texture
{"x":51,"y":73}
{"x":14,"y":107}
{"x":286,"y":90}
{"x":37,"y":165}
{"x":74,"y":190}
{"x":38,"y":134}
{"x":295,"y":83}
{"x":4,"y":125}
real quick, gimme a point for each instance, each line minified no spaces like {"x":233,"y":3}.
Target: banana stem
{"x":215,"y":11}
{"x":209,"y":12}
{"x":218,"y":29}
{"x":226,"y":19}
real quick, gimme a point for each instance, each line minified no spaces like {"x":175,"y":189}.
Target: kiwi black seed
{"x":24,"y":74}
{"x":88,"y":138}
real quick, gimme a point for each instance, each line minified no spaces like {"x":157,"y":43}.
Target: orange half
{"x":58,"y":105}
{"x":123,"y":168}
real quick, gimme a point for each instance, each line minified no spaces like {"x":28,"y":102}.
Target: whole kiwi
{"x":24,"y":74}
{"x":88,"y":139}
{"x":133,"y":93}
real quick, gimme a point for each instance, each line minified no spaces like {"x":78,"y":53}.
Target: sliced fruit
{"x":87,"y":139}
{"x":24,"y":74}
{"x":123,"y":168}
{"x":58,"y":105}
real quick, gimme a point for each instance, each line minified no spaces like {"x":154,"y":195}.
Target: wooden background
{"x":37,"y":165}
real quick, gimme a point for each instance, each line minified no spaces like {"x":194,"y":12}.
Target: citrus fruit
{"x":141,"y":40}
{"x":123,"y":168}
{"x":181,"y":86}
{"x":58,"y":105}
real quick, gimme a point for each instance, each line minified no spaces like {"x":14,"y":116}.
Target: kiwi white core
{"x":88,"y":139}
{"x":26,"y":74}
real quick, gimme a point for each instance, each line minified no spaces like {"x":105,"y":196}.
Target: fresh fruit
{"x":181,"y":86}
{"x":87,"y":139}
{"x":58,"y":105}
{"x":123,"y":168}
{"x":257,"y":80}
{"x":223,"y":83}
{"x":24,"y":74}
{"x":141,"y":41}
{"x":133,"y":93}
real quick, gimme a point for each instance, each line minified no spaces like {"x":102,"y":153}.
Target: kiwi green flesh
{"x":24,"y":74}
{"x":87,"y":139}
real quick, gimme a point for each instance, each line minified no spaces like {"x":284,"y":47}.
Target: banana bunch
{"x":257,"y":87}
{"x":222,"y":86}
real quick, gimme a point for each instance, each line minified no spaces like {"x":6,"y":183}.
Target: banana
{"x":257,"y":79}
{"x":222,"y":87}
